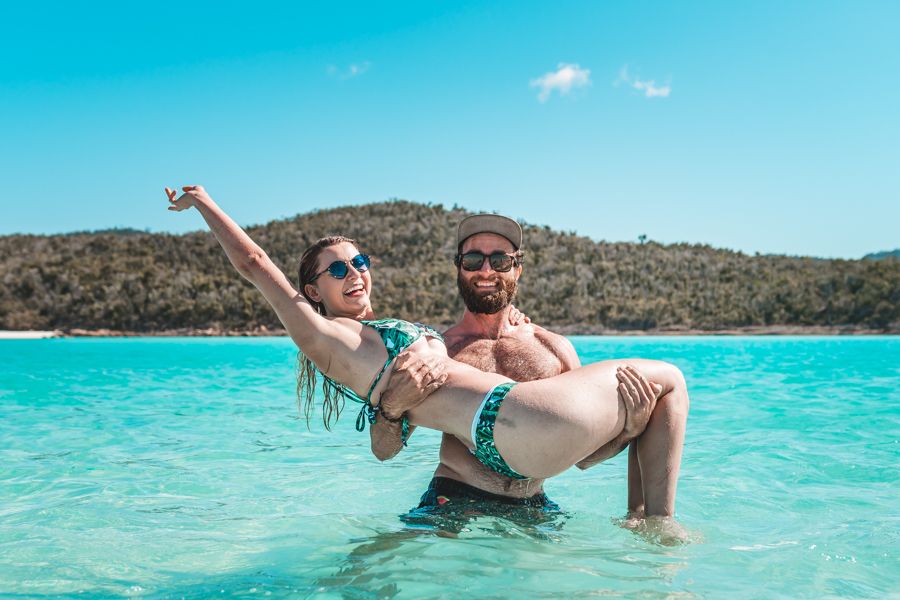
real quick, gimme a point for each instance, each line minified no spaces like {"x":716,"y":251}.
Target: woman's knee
{"x":663,"y":373}
{"x":674,"y":397}
{"x":675,"y":400}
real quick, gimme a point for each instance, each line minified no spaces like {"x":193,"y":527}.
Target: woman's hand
{"x":413,"y":379}
{"x":517,"y":317}
{"x":639,"y":397}
{"x":191,"y":196}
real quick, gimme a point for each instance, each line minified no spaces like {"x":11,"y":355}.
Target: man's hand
{"x":639,"y":397}
{"x":413,"y":379}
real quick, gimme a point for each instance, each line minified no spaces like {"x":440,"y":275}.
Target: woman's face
{"x":347,"y":297}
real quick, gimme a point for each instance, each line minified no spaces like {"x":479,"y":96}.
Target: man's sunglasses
{"x":339,"y":268}
{"x":500,"y":261}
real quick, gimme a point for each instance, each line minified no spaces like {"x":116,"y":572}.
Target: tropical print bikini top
{"x":397,"y":335}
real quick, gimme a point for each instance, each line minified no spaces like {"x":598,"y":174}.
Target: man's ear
{"x":313,"y":292}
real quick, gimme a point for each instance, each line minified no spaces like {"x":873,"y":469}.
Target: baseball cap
{"x":488,"y":223}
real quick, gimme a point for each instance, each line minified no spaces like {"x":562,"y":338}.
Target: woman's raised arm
{"x":306,"y":327}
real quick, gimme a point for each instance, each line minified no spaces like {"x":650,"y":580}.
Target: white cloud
{"x":649,"y":87}
{"x":354,"y":70}
{"x":566,"y":77}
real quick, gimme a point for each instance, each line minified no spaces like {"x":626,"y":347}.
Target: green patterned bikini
{"x":483,"y":432}
{"x":399,"y":335}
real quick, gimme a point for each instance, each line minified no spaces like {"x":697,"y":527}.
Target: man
{"x":492,"y":338}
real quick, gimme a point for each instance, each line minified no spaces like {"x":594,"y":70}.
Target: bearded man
{"x":493,"y":336}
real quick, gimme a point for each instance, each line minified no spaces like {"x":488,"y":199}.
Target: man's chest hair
{"x":523,"y":358}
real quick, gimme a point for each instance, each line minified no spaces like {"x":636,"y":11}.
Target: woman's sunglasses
{"x":339,"y":268}
{"x":500,"y":261}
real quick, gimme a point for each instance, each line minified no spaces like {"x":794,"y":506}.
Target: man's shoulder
{"x":457,"y":335}
{"x":559,"y":345}
{"x":545,"y":335}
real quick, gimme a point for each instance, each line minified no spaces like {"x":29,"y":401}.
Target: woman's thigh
{"x":548,"y":425}
{"x":573,"y":414}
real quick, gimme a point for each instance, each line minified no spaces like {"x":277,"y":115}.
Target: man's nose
{"x":486,"y":265}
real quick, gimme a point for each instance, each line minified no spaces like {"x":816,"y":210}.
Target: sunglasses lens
{"x":501,"y":262}
{"x":472,"y":261}
{"x":360,"y":262}
{"x":338,"y":269}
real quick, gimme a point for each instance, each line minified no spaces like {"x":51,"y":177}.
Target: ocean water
{"x":179,"y":468}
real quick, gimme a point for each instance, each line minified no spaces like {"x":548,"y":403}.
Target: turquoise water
{"x":179,"y":468}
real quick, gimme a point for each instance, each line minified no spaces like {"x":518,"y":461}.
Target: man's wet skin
{"x":485,"y":339}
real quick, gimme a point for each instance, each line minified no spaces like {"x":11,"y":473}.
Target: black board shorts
{"x":450,"y":505}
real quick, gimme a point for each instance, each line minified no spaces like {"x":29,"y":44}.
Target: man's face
{"x":486,"y":291}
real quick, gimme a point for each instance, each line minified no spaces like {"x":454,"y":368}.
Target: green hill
{"x":883,"y":255}
{"x":146,"y":282}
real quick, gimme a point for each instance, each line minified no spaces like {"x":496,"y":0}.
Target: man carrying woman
{"x":527,"y":430}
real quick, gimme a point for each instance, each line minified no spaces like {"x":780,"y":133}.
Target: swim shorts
{"x":450,"y":505}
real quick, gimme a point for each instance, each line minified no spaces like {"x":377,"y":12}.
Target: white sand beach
{"x":27,"y":335}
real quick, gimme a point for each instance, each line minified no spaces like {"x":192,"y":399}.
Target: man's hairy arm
{"x":412,"y":380}
{"x":386,"y":437}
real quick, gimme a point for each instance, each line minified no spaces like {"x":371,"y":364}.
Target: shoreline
{"x":568,"y":330}
{"x":8,"y":334}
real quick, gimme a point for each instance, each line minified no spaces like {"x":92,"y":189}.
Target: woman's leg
{"x":654,"y":459}
{"x":544,"y":427}
{"x":635,"y":485}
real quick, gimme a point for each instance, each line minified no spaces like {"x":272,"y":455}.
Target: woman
{"x":545,"y":426}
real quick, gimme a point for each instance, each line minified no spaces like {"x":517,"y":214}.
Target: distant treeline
{"x":135,"y":281}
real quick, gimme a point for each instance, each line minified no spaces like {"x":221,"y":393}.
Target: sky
{"x":767,"y":127}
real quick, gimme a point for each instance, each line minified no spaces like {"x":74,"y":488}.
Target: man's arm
{"x":412,"y":379}
{"x":386,"y":437}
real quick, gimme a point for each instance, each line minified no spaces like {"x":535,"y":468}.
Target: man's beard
{"x":491,"y":303}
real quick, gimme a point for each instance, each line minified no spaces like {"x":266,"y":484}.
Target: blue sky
{"x":764,"y":127}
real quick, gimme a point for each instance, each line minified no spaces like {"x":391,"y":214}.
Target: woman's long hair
{"x":306,"y":369}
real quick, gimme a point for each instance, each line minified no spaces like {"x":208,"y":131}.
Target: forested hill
{"x":142,"y":282}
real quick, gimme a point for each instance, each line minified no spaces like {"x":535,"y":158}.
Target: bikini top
{"x":397,"y":335}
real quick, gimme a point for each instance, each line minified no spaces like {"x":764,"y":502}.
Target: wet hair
{"x":307,"y":372}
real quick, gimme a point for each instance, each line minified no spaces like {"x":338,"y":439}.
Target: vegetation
{"x":882,"y":255}
{"x":136,"y":281}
